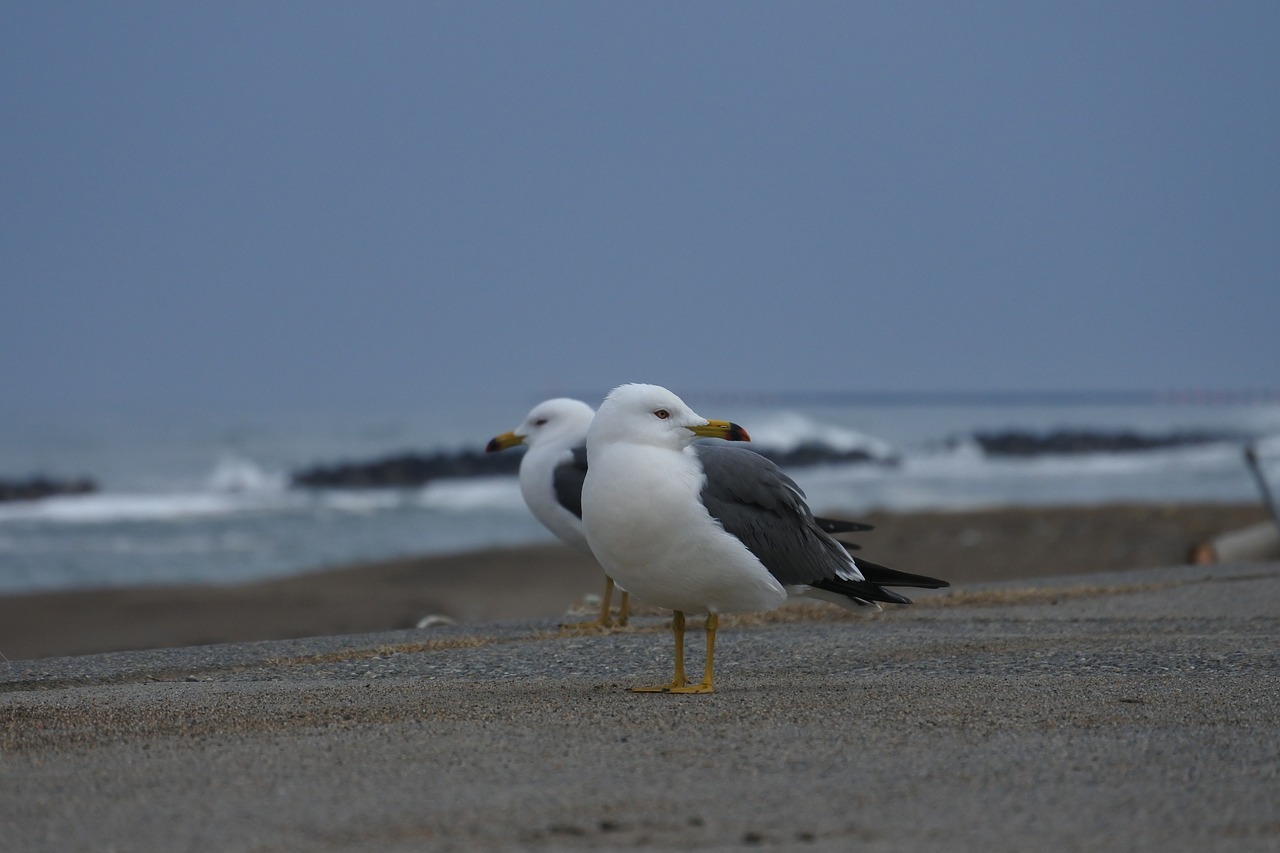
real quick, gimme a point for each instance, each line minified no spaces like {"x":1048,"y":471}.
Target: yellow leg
{"x":603,"y":622}
{"x":624,"y":608}
{"x":678,"y":681}
{"x":606,"y":601}
{"x":713,"y":622}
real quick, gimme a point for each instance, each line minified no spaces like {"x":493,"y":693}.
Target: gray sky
{"x":252,"y":204}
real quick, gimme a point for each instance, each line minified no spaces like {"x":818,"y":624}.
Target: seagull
{"x":708,"y":530}
{"x":554,"y":468}
{"x":551,"y":476}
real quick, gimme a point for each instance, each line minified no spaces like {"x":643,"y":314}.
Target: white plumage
{"x":551,"y":474}
{"x":708,"y":530}
{"x":551,"y":431}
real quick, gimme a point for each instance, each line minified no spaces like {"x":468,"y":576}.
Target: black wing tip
{"x":878,"y":574}
{"x":863,"y":590}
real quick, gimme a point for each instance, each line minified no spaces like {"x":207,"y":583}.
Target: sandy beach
{"x":1133,"y":710}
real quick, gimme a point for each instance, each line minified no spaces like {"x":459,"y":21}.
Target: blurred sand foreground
{"x":1113,"y":711}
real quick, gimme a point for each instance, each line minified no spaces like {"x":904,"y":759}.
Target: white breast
{"x":647,"y":526}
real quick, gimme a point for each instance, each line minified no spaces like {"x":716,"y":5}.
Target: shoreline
{"x":546,"y":581}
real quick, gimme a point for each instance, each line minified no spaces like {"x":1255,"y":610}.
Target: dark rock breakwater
{"x":35,"y":488}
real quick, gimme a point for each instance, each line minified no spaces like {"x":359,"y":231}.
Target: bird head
{"x":653,"y":415}
{"x":561,"y":420}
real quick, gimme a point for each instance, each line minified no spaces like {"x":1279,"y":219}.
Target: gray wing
{"x":755,"y":501}
{"x":567,"y":480}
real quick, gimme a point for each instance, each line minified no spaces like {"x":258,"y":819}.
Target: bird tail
{"x":885,"y":576}
{"x":860,"y":591}
{"x":871,"y":587}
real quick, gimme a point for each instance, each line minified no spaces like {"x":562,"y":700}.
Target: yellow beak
{"x":502,"y":442}
{"x":720,"y":429}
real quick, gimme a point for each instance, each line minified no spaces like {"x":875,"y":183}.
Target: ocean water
{"x":206,"y":499}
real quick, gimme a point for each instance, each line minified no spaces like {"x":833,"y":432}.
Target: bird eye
{"x":662,"y":414}
{"x":540,"y":422}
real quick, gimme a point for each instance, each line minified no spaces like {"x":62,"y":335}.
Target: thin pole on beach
{"x":1251,"y":459}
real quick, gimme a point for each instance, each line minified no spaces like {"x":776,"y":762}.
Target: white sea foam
{"x":106,"y":508}
{"x":966,"y":459}
{"x":484,"y":493}
{"x":786,"y":431}
{"x":237,"y":474}
{"x":358,"y":502}
{"x":961,"y":476}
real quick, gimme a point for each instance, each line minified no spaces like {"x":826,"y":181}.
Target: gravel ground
{"x":1132,"y":710}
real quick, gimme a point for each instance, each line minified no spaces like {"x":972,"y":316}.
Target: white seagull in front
{"x":707,"y":532}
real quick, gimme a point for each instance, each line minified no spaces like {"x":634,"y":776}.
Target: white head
{"x":560,"y":420}
{"x":652,"y":415}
